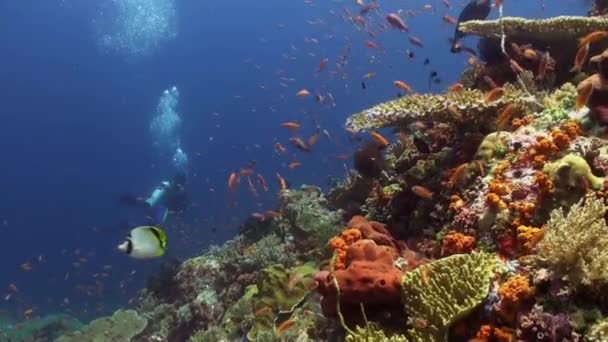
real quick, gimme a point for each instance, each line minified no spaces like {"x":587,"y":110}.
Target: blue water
{"x":74,"y":124}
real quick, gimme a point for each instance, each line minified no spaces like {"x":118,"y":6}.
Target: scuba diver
{"x":167,"y":197}
{"x":474,"y":10}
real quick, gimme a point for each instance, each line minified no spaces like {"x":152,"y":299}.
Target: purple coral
{"x":538,"y":325}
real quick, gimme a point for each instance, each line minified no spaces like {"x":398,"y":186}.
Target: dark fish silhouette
{"x":474,"y":10}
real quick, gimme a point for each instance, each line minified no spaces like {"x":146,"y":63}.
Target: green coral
{"x":575,"y":245}
{"x":371,"y":333}
{"x":445,"y":291}
{"x":275,"y":296}
{"x":121,"y":327}
{"x":434,"y":108}
{"x":558,"y":106}
{"x":571,"y":176}
{"x":493,"y":147}
{"x":311,"y":223}
{"x":555,"y":29}
{"x":213,"y":334}
{"x":240,"y":315}
{"x":598,"y":332}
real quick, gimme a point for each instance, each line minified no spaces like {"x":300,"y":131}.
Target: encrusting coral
{"x":444,"y":291}
{"x":575,"y":245}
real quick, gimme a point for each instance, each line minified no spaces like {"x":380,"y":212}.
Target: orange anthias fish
{"x":380,"y":139}
{"x":504,"y":117}
{"x":282,"y":183}
{"x":371,"y":44}
{"x":494,"y":94}
{"x":302,"y":93}
{"x":233,"y":182}
{"x":294,"y":165}
{"x":263,"y":311}
{"x":542,"y":66}
{"x":323,"y":64}
{"x":369,"y":75}
{"x":262,"y":182}
{"x":584,"y":92}
{"x":312,"y":140}
{"x":456,"y":87}
{"x":422,"y":192}
{"x":592,"y":37}
{"x":251,"y":187}
{"x":299,"y":144}
{"x":515,"y":66}
{"x":279,"y":148}
{"x":450,"y":20}
{"x":581,"y":57}
{"x":290,"y":125}
{"x":416,"y":41}
{"x":457,"y":175}
{"x":403,"y":86}
{"x":284,"y":326}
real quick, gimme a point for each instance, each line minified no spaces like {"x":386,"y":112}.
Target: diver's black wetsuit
{"x":474,"y":10}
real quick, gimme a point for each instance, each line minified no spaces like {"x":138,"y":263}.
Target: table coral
{"x":445,"y":291}
{"x":557,"y":28}
{"x":434,"y":108}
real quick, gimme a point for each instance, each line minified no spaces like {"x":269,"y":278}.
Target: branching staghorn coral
{"x":557,"y":28}
{"x":437,"y":108}
{"x":444,"y":291}
{"x":576,"y":245}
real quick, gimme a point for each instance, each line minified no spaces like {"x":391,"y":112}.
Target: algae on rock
{"x":445,"y":291}
{"x":310,"y":222}
{"x":280,"y":292}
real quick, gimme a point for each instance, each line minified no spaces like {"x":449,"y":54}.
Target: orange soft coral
{"x":572,"y":129}
{"x":528,"y":237}
{"x":484,"y":332}
{"x":560,"y":139}
{"x":545,"y":185}
{"x":457,"y":243}
{"x":494,"y":201}
{"x":503,"y":335}
{"x":544,"y":146}
{"x":512,"y":294}
{"x":499,"y":188}
{"x":340,"y":245}
{"x":517,"y":122}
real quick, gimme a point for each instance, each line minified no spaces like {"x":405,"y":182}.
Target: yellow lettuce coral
{"x":444,"y":291}
{"x":576,"y":245}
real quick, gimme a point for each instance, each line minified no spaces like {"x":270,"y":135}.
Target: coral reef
{"x":46,"y":328}
{"x":444,"y":291}
{"x":121,"y":327}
